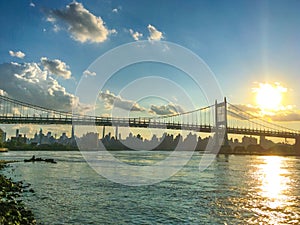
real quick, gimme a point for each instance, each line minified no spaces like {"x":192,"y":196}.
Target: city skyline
{"x":167,"y":141}
{"x":251,"y":47}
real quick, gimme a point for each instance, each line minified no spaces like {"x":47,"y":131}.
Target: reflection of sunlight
{"x":274,"y":181}
{"x":271,"y":197}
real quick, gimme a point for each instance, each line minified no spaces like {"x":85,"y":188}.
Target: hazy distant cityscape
{"x":93,"y":141}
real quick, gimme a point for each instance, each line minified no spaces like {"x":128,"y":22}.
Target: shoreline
{"x":13,"y":210}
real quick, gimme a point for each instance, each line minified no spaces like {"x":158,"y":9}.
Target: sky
{"x":47,"y":48}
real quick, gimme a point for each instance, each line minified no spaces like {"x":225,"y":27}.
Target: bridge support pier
{"x":116,"y":133}
{"x":103,"y":132}
{"x":297,"y":145}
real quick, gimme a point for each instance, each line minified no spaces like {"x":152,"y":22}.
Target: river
{"x":232,"y":190}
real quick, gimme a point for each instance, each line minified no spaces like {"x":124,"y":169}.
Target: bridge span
{"x":221,"y":118}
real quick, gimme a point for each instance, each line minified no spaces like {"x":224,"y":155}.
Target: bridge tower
{"x":221,"y":134}
{"x":297,"y":145}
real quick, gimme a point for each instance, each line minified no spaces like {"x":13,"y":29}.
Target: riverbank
{"x":12,"y":209}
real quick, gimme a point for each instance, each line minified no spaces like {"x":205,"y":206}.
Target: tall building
{"x":249,"y":141}
{"x":265,"y":143}
{"x":2,"y":136}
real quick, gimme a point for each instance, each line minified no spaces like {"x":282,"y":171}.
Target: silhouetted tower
{"x":73,"y":132}
{"x":40,"y":136}
{"x":103,"y":132}
{"x":117,"y":131}
{"x":221,"y":135}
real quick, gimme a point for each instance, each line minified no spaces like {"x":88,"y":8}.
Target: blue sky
{"x":243,"y":42}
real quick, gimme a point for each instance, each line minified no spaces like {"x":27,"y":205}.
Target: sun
{"x":269,"y":96}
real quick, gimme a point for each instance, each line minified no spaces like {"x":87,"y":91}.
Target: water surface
{"x":232,"y":190}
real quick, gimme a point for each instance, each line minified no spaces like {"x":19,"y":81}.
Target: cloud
{"x":169,"y":109}
{"x":246,"y":108}
{"x":111,"y":101}
{"x":154,"y":34}
{"x":285,"y":114}
{"x":81,"y":24}
{"x":17,"y":54}
{"x":117,"y":9}
{"x":113,"y":31}
{"x":3,"y":93}
{"x":32,"y":4}
{"x":56,"y":28}
{"x":88,"y":73}
{"x":286,"y":117}
{"x":136,"y":35}
{"x":56,"y":67}
{"x":29,"y":83}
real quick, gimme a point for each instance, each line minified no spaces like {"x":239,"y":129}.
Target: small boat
{"x":33,"y":159}
{"x":3,"y":149}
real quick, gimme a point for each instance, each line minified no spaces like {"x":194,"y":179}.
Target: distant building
{"x":265,"y":143}
{"x":2,"y":136}
{"x":246,"y":141}
{"x":20,"y":140}
{"x":89,"y":141}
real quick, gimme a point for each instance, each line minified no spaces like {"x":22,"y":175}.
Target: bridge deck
{"x":142,"y":123}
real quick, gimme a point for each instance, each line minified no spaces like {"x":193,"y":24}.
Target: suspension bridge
{"x":222,"y":118}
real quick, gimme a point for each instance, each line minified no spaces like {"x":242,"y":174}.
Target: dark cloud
{"x":111,"y":101}
{"x":56,"y":67}
{"x":286,"y":117}
{"x":169,"y":109}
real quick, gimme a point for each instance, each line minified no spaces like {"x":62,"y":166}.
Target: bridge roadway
{"x":142,"y":123}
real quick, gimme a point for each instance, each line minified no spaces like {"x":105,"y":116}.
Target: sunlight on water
{"x":273,"y":202}
{"x":274,"y":181}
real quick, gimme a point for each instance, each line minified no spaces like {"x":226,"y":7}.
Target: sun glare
{"x":269,"y":97}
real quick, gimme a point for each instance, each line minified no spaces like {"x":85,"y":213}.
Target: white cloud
{"x":111,"y":101}
{"x":154,"y":34}
{"x":3,"y":93}
{"x":51,"y":19}
{"x":28,"y":82}
{"x":32,"y":4}
{"x":169,"y":109}
{"x":81,"y":24}
{"x":88,"y":73}
{"x":56,"y":67}
{"x":56,"y":28}
{"x":17,"y":54}
{"x":113,"y":31}
{"x":117,"y":9}
{"x":136,"y":35}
